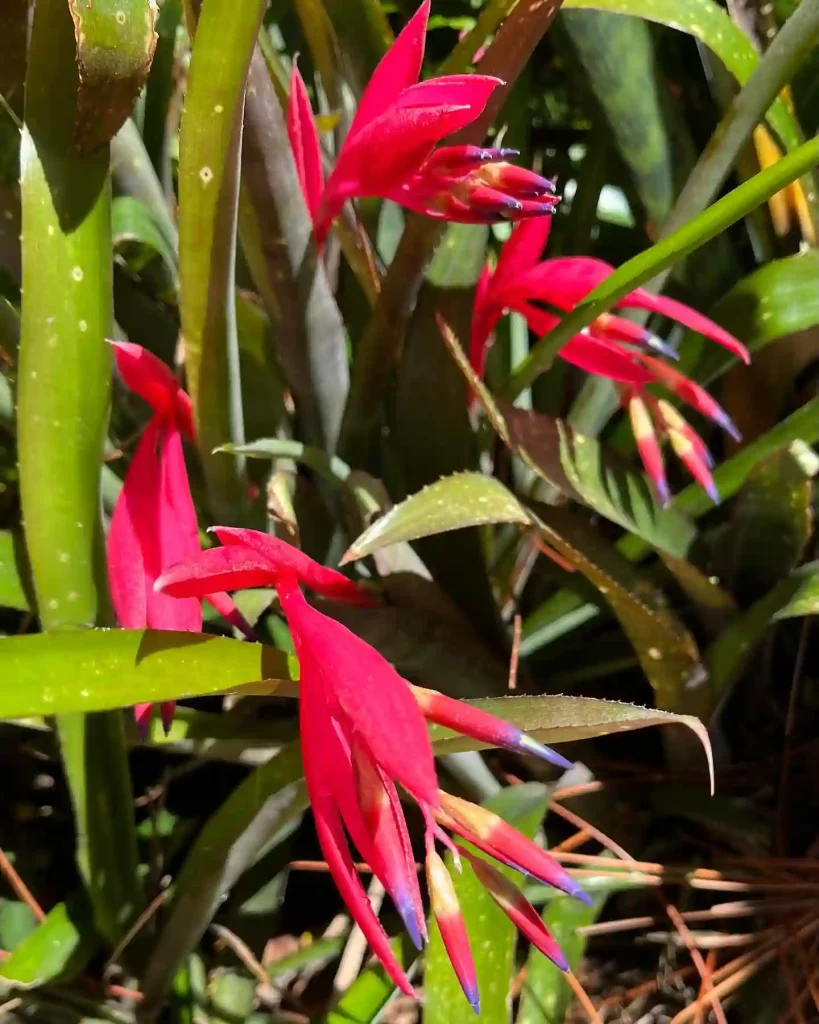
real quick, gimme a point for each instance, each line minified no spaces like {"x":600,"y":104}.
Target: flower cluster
{"x":363,"y":733}
{"x":610,"y":347}
{"x":390,"y":152}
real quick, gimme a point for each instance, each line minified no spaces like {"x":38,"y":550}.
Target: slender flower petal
{"x":304,"y":141}
{"x":397,"y":70}
{"x":471,"y":721}
{"x":451,"y":924}
{"x":691,"y":393}
{"x":688,"y":448}
{"x":325,"y":581}
{"x":387,"y":829}
{"x":518,"y":909}
{"x":494,"y":836}
{"x":648,"y":446}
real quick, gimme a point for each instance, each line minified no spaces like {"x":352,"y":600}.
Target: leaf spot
{"x":77,"y":273}
{"x":206,"y":175}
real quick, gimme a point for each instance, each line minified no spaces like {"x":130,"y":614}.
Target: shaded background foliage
{"x":147,"y":191}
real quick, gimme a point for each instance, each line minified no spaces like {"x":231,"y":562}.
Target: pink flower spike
{"x":304,"y":141}
{"x":688,"y":317}
{"x":367,"y":689}
{"x":447,"y":913}
{"x":518,"y":909}
{"x":470,"y":721}
{"x":280,"y":555}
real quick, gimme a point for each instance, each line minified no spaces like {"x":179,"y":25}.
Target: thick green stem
{"x":63,"y":392}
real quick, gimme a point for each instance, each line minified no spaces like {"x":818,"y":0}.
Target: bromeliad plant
{"x":349,"y":284}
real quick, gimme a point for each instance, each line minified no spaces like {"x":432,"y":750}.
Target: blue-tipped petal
{"x":576,"y":889}
{"x":531,"y":746}
{"x":723,"y":420}
{"x":658,"y":345}
{"x":406,"y":910}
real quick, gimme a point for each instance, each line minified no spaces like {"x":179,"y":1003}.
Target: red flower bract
{"x":363,"y":730}
{"x":154,"y":522}
{"x":388,"y":150}
{"x":610,"y":347}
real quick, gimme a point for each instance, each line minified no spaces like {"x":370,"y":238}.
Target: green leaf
{"x":492,"y":936}
{"x":208,"y":197}
{"x":666,"y":650}
{"x":670,"y":250}
{"x":264,"y":804}
{"x":371,"y":992}
{"x":231,"y":997}
{"x":139,"y":239}
{"x":17,"y":922}
{"x":560,"y":719}
{"x":104,"y":823}
{"x":465,"y":499}
{"x":778,"y":299}
{"x":712,"y":26}
{"x":58,"y":948}
{"x":432,"y":436}
{"x":546,"y":994}
{"x":580,"y":467}
{"x":276,"y":235}
{"x":13,"y":592}
{"x":59,"y":673}
{"x":770,"y":525}
{"x":115,"y":46}
{"x":795,"y":596}
{"x":620,"y":65}
{"x":330,"y":466}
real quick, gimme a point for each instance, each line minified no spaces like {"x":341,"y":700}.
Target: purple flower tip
{"x":663,"y":493}
{"x":406,"y":910}
{"x":531,"y":746}
{"x":658,"y":345}
{"x":573,"y":888}
{"x":713,"y":493}
{"x":728,"y":425}
{"x":474,"y":1000}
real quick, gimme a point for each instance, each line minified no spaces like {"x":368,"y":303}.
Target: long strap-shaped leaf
{"x":65,"y":368}
{"x":208,"y":196}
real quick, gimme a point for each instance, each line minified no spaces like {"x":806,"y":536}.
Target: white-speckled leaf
{"x":465,"y":499}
